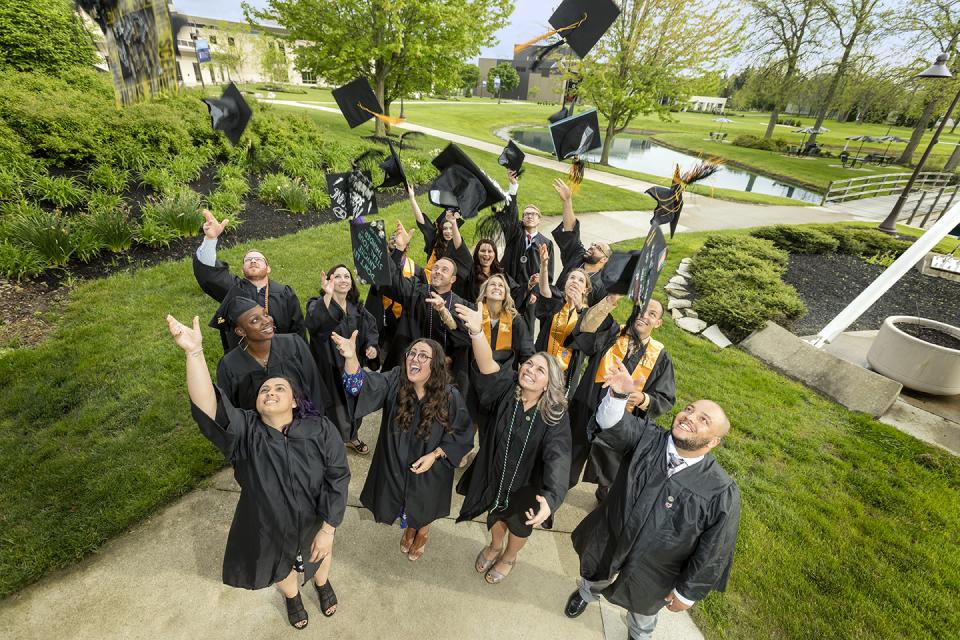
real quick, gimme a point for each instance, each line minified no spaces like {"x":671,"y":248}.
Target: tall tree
{"x":784,"y":33}
{"x":469,"y":77}
{"x":639,"y":65}
{"x":852,"y":21}
{"x":402,"y":46}
{"x":509,"y":78}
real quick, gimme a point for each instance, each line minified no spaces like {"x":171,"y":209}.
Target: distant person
{"x":214,"y":277}
{"x":293,"y":474}
{"x":665,"y":535}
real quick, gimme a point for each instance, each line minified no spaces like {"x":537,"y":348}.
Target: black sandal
{"x":296,"y":613}
{"x":359,"y":446}
{"x":327,"y":598}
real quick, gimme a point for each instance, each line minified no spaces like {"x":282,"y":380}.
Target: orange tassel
{"x":575,"y":175}
{"x":382,"y":117}
{"x":520,"y":47}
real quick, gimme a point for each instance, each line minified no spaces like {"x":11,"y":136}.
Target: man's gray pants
{"x":639,"y":626}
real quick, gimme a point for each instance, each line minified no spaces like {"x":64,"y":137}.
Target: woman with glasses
{"x":520,"y":473}
{"x":425,"y":430}
{"x":338,"y":310}
{"x":292,"y":469}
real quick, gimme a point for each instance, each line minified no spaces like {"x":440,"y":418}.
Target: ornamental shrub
{"x":796,"y":239}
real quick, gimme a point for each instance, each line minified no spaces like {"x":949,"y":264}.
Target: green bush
{"x":160,"y":180}
{"x":234,"y":185}
{"x":84,"y":242}
{"x":742,"y":309}
{"x":9,"y":185}
{"x":111,"y":226}
{"x":154,"y":233}
{"x":44,"y":232}
{"x":271,"y":187}
{"x":61,"y":192}
{"x":294,"y":197}
{"x":109,"y":178}
{"x":187,"y":167}
{"x":231,"y":171}
{"x":225,"y":203}
{"x":794,"y":239}
{"x":43,"y":35}
{"x":178,"y":211}
{"x":756,"y":247}
{"x":755,"y":142}
{"x":863,"y":242}
{"x":18,"y":262}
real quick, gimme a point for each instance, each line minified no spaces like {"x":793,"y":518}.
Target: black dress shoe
{"x":575,"y":605}
{"x":601,"y":493}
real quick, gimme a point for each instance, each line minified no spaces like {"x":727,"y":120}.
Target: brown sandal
{"x":406,"y":541}
{"x":482,"y":565}
{"x":416,"y":550}
{"x":495,"y":577}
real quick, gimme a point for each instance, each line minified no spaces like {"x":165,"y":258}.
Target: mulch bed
{"x":827,"y":283}
{"x":929,"y":334}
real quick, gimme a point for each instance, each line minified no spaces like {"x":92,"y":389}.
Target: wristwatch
{"x":619,"y":396}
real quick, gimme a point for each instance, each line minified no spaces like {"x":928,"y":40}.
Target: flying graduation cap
{"x":393,"y":173}
{"x":635,"y":273}
{"x":358,"y":103}
{"x":670,"y":199}
{"x":574,"y":138}
{"x":579,"y":23}
{"x":512,"y":157}
{"x":462,"y":185}
{"x":230,"y":113}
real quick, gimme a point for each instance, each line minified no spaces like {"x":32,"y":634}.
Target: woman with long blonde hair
{"x":520,"y":473}
{"x":503,"y":327}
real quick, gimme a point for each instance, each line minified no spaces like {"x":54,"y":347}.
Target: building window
{"x":179,"y":74}
{"x":230,"y":41}
{"x":213,"y":39}
{"x":308,"y":77}
{"x":196,"y":71}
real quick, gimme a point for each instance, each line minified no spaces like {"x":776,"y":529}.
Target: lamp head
{"x":938,"y":69}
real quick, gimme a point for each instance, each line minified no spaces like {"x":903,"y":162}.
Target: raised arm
{"x":482,"y":352}
{"x":544,"y":283}
{"x":415,"y":206}
{"x":566,"y":196}
{"x":348,"y":349}
{"x":451,"y":217}
{"x":199,"y":385}
{"x":598,"y":313}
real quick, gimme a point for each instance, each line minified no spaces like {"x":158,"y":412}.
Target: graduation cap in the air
{"x":512,"y":157}
{"x":635,"y":273}
{"x":462,"y":185}
{"x":393,"y":173}
{"x":358,"y":103}
{"x":579,"y":23}
{"x":670,"y":199}
{"x":574,"y":138}
{"x":230,"y":113}
{"x":233,"y":306}
{"x":98,"y":9}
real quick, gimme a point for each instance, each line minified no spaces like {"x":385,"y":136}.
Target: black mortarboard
{"x":670,"y":199}
{"x":358,"y":103}
{"x":463,"y":182}
{"x":98,"y":9}
{"x":635,"y":273}
{"x":233,"y":306}
{"x":393,"y":173}
{"x":583,"y":22}
{"x":512,"y":157}
{"x":352,"y":194}
{"x":230,"y":113}
{"x":573,"y":138}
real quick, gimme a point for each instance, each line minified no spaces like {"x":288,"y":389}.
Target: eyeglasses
{"x":600,"y":249}
{"x":254,"y":259}
{"x":419,"y":356}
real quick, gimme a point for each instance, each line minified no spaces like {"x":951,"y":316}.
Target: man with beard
{"x":665,"y":535}
{"x":214,"y":277}
{"x":573,"y":255}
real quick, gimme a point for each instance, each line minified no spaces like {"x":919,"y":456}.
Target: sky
{"x":529,"y":19}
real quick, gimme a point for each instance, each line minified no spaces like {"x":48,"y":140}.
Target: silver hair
{"x":553,"y":402}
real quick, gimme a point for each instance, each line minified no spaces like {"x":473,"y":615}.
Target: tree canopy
{"x":509,"y":78}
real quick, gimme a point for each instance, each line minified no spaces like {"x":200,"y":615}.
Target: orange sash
{"x":504,"y":332}
{"x":409,"y":269}
{"x":562,"y":325}
{"x":428,"y":268}
{"x":619,"y":352}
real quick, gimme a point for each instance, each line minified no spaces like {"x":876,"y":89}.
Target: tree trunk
{"x":608,"y":140}
{"x":832,"y":90}
{"x":380,"y":82}
{"x":906,"y":158}
{"x":772,"y":123}
{"x":953,"y":161}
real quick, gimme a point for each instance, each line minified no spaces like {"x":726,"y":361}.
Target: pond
{"x":641,"y":154}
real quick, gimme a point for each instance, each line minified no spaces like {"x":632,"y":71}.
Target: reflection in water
{"x":640,"y":154}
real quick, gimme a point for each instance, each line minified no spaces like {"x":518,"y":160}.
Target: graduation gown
{"x":655,"y":548}
{"x":321,"y":322}
{"x":386,"y":319}
{"x":240,"y":376}
{"x":543,"y":464}
{"x":391,"y":488}
{"x":217,"y":282}
{"x":506,"y":358}
{"x":602,"y":463}
{"x":290,"y":486}
{"x":521,"y":261}
{"x":547,"y":310}
{"x":571,"y":257}
{"x":460,"y":256}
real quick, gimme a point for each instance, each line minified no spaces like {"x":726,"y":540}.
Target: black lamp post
{"x":937,"y":70}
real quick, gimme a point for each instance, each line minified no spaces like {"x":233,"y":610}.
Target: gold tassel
{"x":382,"y":117}
{"x":575,"y":175}
{"x":520,"y":47}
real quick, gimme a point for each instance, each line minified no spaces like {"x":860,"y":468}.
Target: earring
{"x":241,"y":343}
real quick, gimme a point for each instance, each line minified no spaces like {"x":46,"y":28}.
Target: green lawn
{"x":849,"y":527}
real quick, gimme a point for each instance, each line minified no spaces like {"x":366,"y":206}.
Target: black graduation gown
{"x":545,"y":462}
{"x":240,"y":376}
{"x":385,"y":320}
{"x":602,"y":463}
{"x":519,"y":261}
{"x":460,"y":256}
{"x":571,"y":257}
{"x":217,"y":282}
{"x":655,"y":548}
{"x":390,"y":486}
{"x":321,"y":322}
{"x":507,"y":359}
{"x":421,"y":321}
{"x":546,"y":309}
{"x":290,"y":486}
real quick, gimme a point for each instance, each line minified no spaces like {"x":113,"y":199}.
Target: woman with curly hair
{"x":338,"y":310}
{"x":486,"y":263}
{"x":424,"y":432}
{"x":519,"y":477}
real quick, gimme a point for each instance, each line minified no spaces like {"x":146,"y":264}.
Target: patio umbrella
{"x":863,"y":139}
{"x":890,"y":140}
{"x":808,"y":130}
{"x":722,"y":121}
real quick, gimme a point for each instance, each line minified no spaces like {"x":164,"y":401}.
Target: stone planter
{"x":914,"y":363}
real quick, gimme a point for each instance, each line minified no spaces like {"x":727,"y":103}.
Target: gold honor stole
{"x":559,"y":330}
{"x":619,"y":352}
{"x":409,"y":269}
{"x":504,"y":332}
{"x":429,"y":266}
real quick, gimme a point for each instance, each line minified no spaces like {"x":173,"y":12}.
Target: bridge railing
{"x":883,"y":185}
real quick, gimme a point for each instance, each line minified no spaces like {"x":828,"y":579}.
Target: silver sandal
{"x":495,"y":577}
{"x":482,"y":565}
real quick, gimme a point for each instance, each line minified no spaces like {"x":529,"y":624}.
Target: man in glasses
{"x":573,"y":255}
{"x":214,"y":277}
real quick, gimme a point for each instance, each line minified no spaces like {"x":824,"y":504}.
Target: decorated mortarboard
{"x":352,"y":194}
{"x":573,"y":139}
{"x":233,"y":306}
{"x":229,"y":113}
{"x":670,"y":199}
{"x":393,"y":173}
{"x":358,"y":103}
{"x":512,"y":157}
{"x":98,"y":10}
{"x":462,"y":185}
{"x":579,"y":23}
{"x":635,"y":273}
